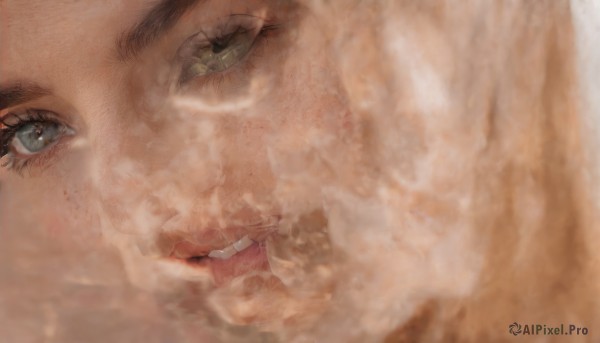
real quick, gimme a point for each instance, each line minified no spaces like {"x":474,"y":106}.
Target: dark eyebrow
{"x":19,"y":93}
{"x":156,"y":22}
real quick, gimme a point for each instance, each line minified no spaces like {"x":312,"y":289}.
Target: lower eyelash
{"x":17,"y":165}
{"x":39,"y":163}
{"x":14,"y":164}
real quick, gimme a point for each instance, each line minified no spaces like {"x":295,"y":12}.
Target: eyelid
{"x":227,"y":25}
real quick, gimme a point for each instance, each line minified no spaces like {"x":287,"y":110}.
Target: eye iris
{"x":35,"y":137}
{"x":222,"y":55}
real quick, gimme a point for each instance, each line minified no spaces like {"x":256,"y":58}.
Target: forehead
{"x":46,"y":18}
{"x":41,"y":38}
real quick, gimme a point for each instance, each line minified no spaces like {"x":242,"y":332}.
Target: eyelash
{"x":7,"y":134}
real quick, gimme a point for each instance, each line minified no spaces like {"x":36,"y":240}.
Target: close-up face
{"x":171,"y":130}
{"x":290,"y":171}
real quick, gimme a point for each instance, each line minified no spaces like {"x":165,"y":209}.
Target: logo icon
{"x":514,"y":328}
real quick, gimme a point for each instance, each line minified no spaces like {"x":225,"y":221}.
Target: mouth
{"x":226,"y":253}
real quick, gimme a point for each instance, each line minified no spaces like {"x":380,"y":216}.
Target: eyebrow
{"x":159,"y":19}
{"x":19,"y":93}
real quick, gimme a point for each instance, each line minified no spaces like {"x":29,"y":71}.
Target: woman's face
{"x":172,"y":129}
{"x":234,"y":151}
{"x":332,"y":168}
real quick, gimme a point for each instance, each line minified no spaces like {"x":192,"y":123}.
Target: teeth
{"x":242,"y":244}
{"x":231,"y":250}
{"x":224,"y":253}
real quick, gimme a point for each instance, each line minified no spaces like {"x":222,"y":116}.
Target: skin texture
{"x":142,"y":173}
{"x":448,"y":142}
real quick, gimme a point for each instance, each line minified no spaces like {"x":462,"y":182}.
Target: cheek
{"x":54,"y":224}
{"x":138,"y":190}
{"x":51,"y":209}
{"x":126,"y":199}
{"x":69,"y":213}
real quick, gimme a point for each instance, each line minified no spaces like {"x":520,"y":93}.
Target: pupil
{"x":218,"y":47}
{"x":39,"y":131}
{"x":222,"y":43}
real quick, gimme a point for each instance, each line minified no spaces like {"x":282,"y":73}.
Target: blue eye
{"x":35,"y":137}
{"x":24,"y":136}
{"x":31,"y":133}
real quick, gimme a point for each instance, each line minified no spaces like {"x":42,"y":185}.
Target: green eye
{"x":220,"y":55}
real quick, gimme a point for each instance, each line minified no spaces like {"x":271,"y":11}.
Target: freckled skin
{"x":140,"y":164}
{"x":439,"y":147}
{"x":121,"y":123}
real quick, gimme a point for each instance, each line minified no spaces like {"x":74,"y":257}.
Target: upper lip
{"x":186,"y":245}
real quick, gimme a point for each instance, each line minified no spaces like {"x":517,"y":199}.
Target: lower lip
{"x":252,"y":259}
